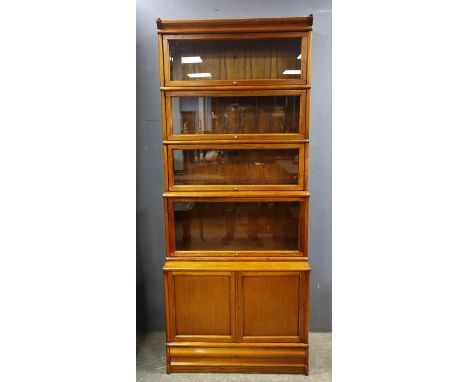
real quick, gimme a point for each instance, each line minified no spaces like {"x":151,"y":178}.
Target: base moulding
{"x":234,"y":358}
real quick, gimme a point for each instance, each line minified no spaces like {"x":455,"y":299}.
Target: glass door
{"x":235,"y":59}
{"x":235,"y":167}
{"x":201,"y":227}
{"x":276,"y":114}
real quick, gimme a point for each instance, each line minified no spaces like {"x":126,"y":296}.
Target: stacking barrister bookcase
{"x":235,"y":106}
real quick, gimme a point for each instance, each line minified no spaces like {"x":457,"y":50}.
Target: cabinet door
{"x":201,"y":306}
{"x":236,"y":227}
{"x":235,"y":115}
{"x":235,"y":59}
{"x":235,"y":167}
{"x":272,"y":306}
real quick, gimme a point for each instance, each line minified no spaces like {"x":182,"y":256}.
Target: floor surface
{"x":151,"y":363}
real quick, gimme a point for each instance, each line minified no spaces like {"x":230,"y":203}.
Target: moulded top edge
{"x":293,"y":23}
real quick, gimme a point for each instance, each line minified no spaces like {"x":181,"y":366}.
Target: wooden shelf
{"x":230,"y":266}
{"x":237,"y":194}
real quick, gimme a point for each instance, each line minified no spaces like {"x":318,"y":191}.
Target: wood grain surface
{"x":235,"y":145}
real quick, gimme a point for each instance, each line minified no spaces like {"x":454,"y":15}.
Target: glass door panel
{"x":236,"y":226}
{"x":236,"y":59}
{"x":210,"y":167}
{"x":236,"y":115}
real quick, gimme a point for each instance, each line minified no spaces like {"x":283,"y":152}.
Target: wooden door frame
{"x":302,"y":314}
{"x":236,"y":146}
{"x":168,"y":116}
{"x":172,"y":253}
{"x":236,"y":36}
{"x":171,"y":308}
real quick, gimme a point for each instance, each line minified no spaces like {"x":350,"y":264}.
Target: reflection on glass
{"x":190,"y":60}
{"x":239,"y":167}
{"x":235,"y":115}
{"x":291,"y":71}
{"x":236,"y":226}
{"x":199,"y":75}
{"x":235,"y":59}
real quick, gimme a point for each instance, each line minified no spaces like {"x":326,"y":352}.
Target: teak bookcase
{"x":235,"y":107}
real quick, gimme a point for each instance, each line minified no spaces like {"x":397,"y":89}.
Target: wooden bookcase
{"x":235,"y":107}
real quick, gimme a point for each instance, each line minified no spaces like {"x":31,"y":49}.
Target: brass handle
{"x":234,"y":83}
{"x":235,"y":137}
{"x":236,"y":189}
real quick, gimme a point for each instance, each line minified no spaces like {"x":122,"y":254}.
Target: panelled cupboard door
{"x":235,"y":115}
{"x":237,"y":306}
{"x":235,"y":59}
{"x":272,"y":306}
{"x":218,"y":167}
{"x":201,"y":306}
{"x":236,"y":227}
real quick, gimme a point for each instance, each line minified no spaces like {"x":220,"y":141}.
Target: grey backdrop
{"x":150,"y":222}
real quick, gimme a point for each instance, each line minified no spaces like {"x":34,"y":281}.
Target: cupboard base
{"x":237,"y":358}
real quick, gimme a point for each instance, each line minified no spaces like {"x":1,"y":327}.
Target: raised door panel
{"x":235,"y":167}
{"x":235,"y":115}
{"x":270,"y":306}
{"x":235,"y":59}
{"x":202,"y":306}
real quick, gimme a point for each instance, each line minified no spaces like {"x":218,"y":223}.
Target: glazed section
{"x":215,"y":115}
{"x":234,"y":59}
{"x":214,"y":166}
{"x":236,"y":226}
